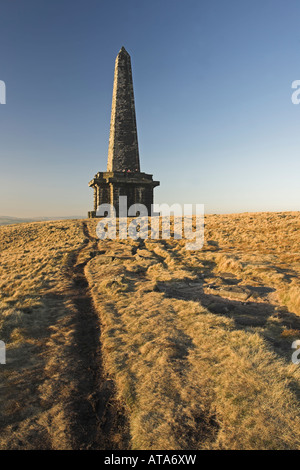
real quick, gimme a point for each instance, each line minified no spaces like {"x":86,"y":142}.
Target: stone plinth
{"x":109,"y":186}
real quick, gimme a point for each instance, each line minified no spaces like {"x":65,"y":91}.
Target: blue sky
{"x":212,"y":83}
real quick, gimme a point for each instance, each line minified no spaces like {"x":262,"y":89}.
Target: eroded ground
{"x":145,"y":345}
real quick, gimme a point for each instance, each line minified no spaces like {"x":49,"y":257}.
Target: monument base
{"x":109,"y":186}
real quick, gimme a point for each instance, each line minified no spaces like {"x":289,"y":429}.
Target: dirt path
{"x":98,"y":420}
{"x":169,"y":326}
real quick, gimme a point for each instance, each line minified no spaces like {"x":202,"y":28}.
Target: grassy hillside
{"x":145,"y":345}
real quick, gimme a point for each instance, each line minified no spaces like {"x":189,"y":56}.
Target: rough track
{"x":99,"y":421}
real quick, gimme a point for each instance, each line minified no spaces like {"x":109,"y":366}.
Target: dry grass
{"x":36,"y":323}
{"x":197,"y":342}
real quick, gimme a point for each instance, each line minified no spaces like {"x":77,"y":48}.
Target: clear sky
{"x":212,"y":83}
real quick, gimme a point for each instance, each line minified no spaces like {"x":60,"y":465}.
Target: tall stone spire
{"x":123,"y":151}
{"x":123,"y":176}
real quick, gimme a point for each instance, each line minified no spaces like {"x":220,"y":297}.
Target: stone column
{"x":123,"y":151}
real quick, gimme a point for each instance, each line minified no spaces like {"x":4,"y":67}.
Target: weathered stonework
{"x":123,"y":151}
{"x":123,"y":176}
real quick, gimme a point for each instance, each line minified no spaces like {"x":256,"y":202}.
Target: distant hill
{"x":6,"y":220}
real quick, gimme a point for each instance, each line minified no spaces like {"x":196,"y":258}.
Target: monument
{"x":123,"y":176}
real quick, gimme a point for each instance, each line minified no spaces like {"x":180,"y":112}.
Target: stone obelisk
{"x":123,"y":176}
{"x":123,"y":150}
